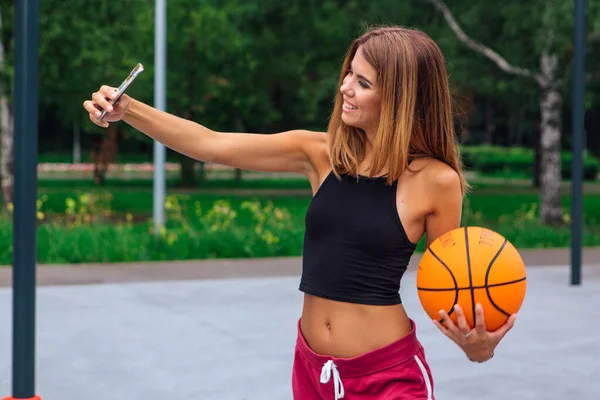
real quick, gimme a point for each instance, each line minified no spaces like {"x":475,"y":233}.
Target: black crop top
{"x":355,"y":247}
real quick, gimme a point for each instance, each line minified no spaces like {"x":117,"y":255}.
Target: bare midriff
{"x":347,"y":330}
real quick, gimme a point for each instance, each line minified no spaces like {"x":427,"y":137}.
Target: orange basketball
{"x":472,"y":265}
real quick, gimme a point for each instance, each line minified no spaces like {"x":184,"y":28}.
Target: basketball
{"x":472,"y":265}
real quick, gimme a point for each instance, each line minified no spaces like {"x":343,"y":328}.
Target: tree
{"x":551,"y":46}
{"x":80,"y":54}
{"x":6,"y":120}
{"x":210,"y":64}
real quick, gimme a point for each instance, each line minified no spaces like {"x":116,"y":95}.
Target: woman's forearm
{"x":177,"y":133}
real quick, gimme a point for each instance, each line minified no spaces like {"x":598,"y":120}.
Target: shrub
{"x":89,"y":232}
{"x":519,"y":161}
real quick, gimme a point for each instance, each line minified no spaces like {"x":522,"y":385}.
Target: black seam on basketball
{"x":470,"y":276}
{"x":469,"y":287}
{"x":487,"y":277}
{"x":453,"y":280}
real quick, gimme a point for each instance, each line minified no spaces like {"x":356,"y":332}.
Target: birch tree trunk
{"x":550,"y":109}
{"x":551,"y":102}
{"x":6,"y":135}
{"x":6,"y":149}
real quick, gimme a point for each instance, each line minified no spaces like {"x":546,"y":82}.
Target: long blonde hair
{"x":416,"y":107}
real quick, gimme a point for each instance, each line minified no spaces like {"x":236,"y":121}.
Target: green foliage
{"x":524,"y":229}
{"x":267,"y":66}
{"x":102,"y":227}
{"x":88,"y":231}
{"x":519,"y":161}
{"x":83,"y":47}
{"x":7,"y":13}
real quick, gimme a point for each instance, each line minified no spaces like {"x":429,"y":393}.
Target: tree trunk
{"x":6,"y":149}
{"x":188,"y":172}
{"x":201,"y":171}
{"x":7,"y":133}
{"x":239,"y":128}
{"x":76,"y":144}
{"x":537,"y":160}
{"x":550,"y":134}
{"x":489,"y":122}
{"x":512,"y":128}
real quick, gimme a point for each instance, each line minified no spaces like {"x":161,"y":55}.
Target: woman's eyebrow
{"x":361,"y":76}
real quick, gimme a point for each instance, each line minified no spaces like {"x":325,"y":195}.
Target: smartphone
{"x":139,"y":68}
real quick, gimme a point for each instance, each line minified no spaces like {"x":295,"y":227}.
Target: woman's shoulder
{"x":435,"y":174}
{"x":311,"y":140}
{"x":436,"y":186}
{"x":315,"y":142}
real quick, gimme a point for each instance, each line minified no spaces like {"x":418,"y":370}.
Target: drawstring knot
{"x":329,"y":368}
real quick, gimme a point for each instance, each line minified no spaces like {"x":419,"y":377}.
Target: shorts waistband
{"x":395,"y":353}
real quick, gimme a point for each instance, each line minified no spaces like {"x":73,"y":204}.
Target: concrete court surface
{"x":233,"y":339}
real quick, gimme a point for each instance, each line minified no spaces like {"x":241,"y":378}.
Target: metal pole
{"x":577,"y":169}
{"x":160,"y":56}
{"x":25,"y":188}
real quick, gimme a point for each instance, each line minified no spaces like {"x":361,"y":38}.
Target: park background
{"x":268,"y":66}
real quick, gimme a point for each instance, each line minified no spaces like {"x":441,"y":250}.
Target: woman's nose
{"x":346,"y":90}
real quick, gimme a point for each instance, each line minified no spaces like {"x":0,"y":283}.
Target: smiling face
{"x":393,"y":105}
{"x":361,"y":95}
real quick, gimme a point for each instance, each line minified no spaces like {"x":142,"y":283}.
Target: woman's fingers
{"x":95,"y":120}
{"x":480,"y":320}
{"x":94,"y":113}
{"x":462,"y":320}
{"x":102,"y":101}
{"x":108,"y":91}
{"x":449,"y":324}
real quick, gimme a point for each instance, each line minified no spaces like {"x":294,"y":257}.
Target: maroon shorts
{"x":398,"y":371}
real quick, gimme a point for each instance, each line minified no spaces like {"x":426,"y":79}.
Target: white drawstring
{"x":326,"y":372}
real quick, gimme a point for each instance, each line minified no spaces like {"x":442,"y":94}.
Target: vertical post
{"x":577,"y":169}
{"x":160,"y":56}
{"x":24,"y":217}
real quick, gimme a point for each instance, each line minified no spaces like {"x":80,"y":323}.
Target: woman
{"x":385,"y":173}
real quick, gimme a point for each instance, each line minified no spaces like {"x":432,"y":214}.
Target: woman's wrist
{"x":478,"y":360}
{"x":127,"y":110}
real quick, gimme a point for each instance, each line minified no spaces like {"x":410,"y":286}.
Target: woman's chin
{"x":348,"y":121}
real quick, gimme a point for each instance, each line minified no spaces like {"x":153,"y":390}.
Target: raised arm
{"x":290,"y":151}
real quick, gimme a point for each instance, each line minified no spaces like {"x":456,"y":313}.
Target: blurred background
{"x":266,"y":66}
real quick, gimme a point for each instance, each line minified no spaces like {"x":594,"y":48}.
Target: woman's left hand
{"x":478,"y":344}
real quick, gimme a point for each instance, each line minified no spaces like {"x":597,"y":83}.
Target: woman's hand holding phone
{"x":101,"y":100}
{"x":109,"y":104}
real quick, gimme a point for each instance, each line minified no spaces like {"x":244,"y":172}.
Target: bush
{"x":524,"y":229}
{"x":89,"y":232}
{"x":519,"y":161}
{"x":591,"y":167}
